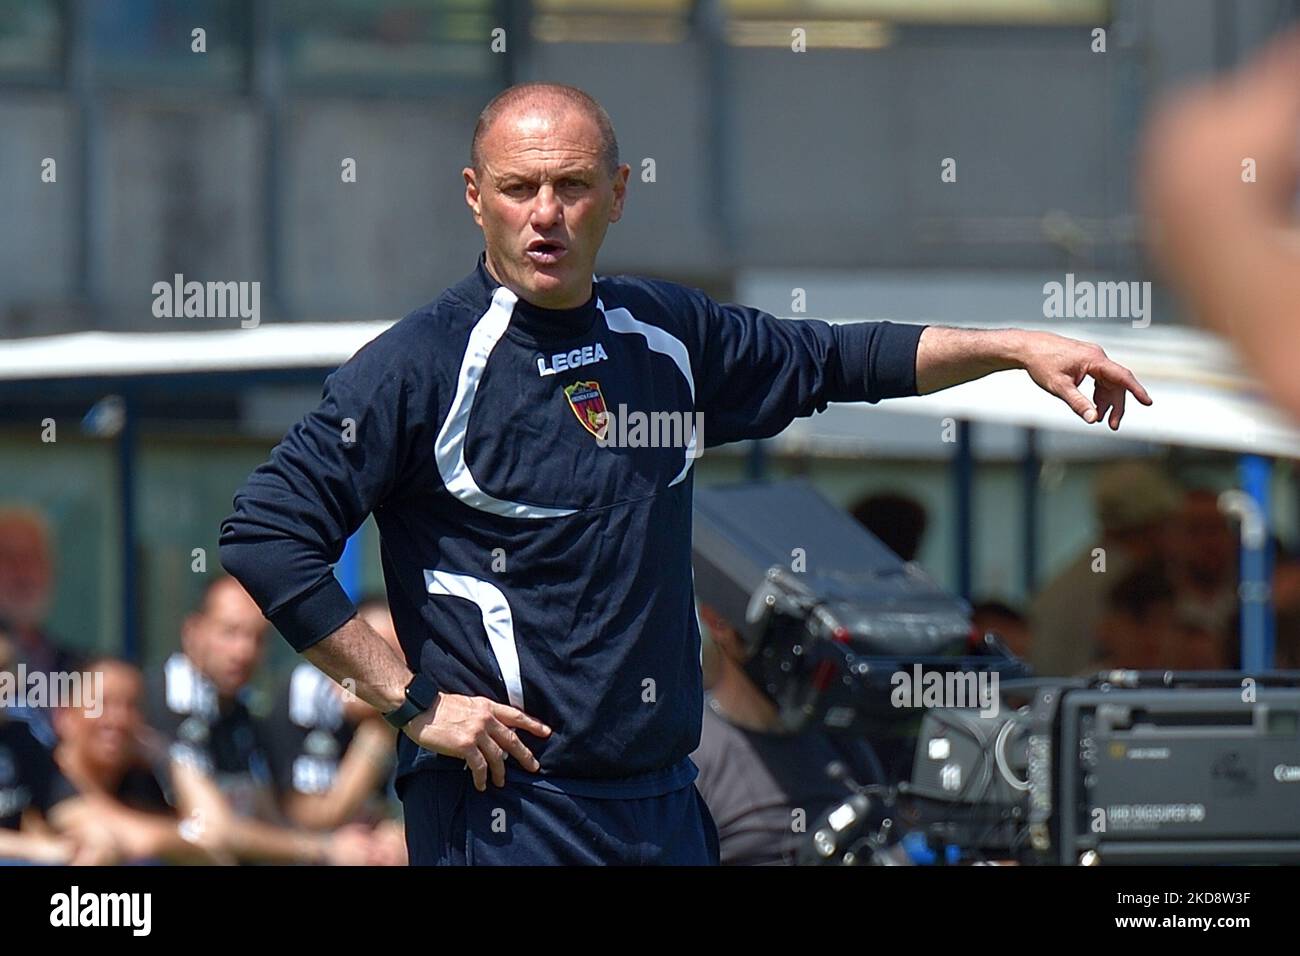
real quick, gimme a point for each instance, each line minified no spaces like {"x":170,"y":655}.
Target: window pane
{"x":392,"y":43}
{"x":150,"y":42}
{"x":1005,"y":12}
{"x":31,"y":40}
{"x":610,"y":21}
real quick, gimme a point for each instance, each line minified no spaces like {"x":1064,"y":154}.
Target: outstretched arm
{"x":946,"y":357}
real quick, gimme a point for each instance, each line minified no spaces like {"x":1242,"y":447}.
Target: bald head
{"x":552,"y":101}
{"x":26,"y":566}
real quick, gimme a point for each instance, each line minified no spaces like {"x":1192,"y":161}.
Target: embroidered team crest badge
{"x":589,"y":405}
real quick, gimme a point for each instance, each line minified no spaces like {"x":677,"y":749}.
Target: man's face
{"x":225,"y":640}
{"x":26,"y":574}
{"x":544,"y":201}
{"x":108,"y":740}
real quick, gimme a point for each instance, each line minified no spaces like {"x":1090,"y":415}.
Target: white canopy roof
{"x":271,"y":346}
{"x":1202,"y":396}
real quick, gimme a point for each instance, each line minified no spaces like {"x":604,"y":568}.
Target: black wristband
{"x":421,"y":693}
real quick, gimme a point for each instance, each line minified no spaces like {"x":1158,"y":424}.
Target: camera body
{"x":1127,"y":768}
{"x":828,"y":615}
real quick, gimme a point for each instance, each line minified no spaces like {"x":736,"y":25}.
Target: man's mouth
{"x":545,"y":252}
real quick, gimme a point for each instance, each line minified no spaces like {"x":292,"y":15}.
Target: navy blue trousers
{"x":450,"y":823}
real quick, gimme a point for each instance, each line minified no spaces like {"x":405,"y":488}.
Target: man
{"x":198,"y":702}
{"x":897,"y":519}
{"x":27,"y":589}
{"x":42,"y":820}
{"x":104,"y":759}
{"x":1204,"y":571}
{"x":1134,"y":503}
{"x":1141,"y":628}
{"x":30,"y":786}
{"x":764,"y":788}
{"x":537,"y":560}
{"x":331,"y":752}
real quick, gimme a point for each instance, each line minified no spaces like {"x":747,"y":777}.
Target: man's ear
{"x":472,"y":196}
{"x":190,"y":634}
{"x":620,"y":192}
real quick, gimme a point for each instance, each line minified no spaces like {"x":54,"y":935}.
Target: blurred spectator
{"x":36,"y":800}
{"x":332,"y":754}
{"x":1204,"y":569}
{"x":219,"y":748}
{"x":1143,"y":630}
{"x":754,"y":778}
{"x":199,"y":699}
{"x":896,"y":519}
{"x":1134,"y":503}
{"x":1286,"y":604}
{"x":1008,"y":623}
{"x":1140,"y":610}
{"x":104,"y":758}
{"x":27,"y":589}
{"x":31,"y":787}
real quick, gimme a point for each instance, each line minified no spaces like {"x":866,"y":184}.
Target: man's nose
{"x":546,"y":208}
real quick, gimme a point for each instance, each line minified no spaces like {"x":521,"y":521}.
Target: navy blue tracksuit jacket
{"x":525,"y":560}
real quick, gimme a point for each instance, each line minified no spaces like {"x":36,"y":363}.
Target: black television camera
{"x":1127,"y":767}
{"x":828,"y":616}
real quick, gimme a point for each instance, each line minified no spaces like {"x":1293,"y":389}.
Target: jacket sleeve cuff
{"x":879,"y":358}
{"x":314,"y":614}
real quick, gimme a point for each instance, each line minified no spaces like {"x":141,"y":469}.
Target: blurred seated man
{"x":764,"y":788}
{"x":897,"y":520}
{"x":36,"y":800}
{"x":198,"y":702}
{"x":1205,"y":570}
{"x":26,"y":593}
{"x":104,"y":758}
{"x":1134,"y":503}
{"x":332,"y":754}
{"x":1142,"y":629}
{"x":1286,"y":604}
{"x":30,"y":789}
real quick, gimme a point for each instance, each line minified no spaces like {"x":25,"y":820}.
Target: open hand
{"x":479,"y":731}
{"x":1059,"y":365}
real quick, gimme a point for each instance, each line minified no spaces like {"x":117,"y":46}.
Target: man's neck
{"x":742,"y":703}
{"x":574,"y":300}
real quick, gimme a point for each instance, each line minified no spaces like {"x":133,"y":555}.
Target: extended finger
{"x":514,"y":717}
{"x":510,"y":742}
{"x":1118,"y":413}
{"x":1114,"y":372}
